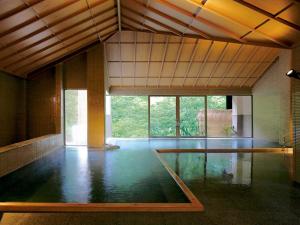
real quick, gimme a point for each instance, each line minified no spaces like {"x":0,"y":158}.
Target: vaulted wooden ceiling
{"x":136,"y":59}
{"x":34,"y":33}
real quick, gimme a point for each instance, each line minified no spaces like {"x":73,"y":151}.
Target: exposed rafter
{"x":275,"y":17}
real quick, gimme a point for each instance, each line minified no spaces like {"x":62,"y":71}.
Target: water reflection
{"x":227,"y":168}
{"x":76,"y":177}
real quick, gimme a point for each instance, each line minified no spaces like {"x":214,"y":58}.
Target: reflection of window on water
{"x":76,"y":117}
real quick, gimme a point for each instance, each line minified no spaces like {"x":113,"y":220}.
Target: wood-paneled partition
{"x":295,"y":92}
{"x":96,"y":97}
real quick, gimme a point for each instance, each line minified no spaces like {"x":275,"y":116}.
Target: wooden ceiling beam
{"x":173,"y":19}
{"x":93,"y":19}
{"x":19,"y":51}
{"x":32,"y":74}
{"x":140,"y":23}
{"x":201,"y":20}
{"x":19,"y":9}
{"x":34,"y":19}
{"x":255,"y":29}
{"x":177,"y":59}
{"x":163,"y":59}
{"x":119,"y":15}
{"x":120,"y":58}
{"x":56,"y":43}
{"x":109,"y":35}
{"x":50,"y":25}
{"x":252,"y":43}
{"x":207,"y":54}
{"x":134,"y":66}
{"x":215,"y":67}
{"x":171,"y":29}
{"x":191,"y":60}
{"x":74,"y":42}
{"x":274,"y":17}
{"x":64,"y":56}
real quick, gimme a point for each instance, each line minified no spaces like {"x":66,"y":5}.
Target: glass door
{"x":162,"y":116}
{"x":192,"y":116}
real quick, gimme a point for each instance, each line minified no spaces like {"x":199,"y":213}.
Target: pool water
{"x":134,"y":174}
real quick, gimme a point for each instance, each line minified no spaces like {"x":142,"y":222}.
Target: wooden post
{"x":58,"y":112}
{"x":96,"y":97}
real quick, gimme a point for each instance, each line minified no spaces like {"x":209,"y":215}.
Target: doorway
{"x":75,"y":117}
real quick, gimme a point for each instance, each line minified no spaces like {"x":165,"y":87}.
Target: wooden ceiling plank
{"x":64,"y":56}
{"x":201,"y":20}
{"x":18,"y":10}
{"x":255,"y":30}
{"x":140,"y":23}
{"x":93,"y":19}
{"x":274,"y":17}
{"x":34,"y":19}
{"x":204,"y":62}
{"x":242,"y":68}
{"x":56,"y":43}
{"x":195,"y":48}
{"x":109,"y":35}
{"x":171,"y":29}
{"x":85,"y":37}
{"x":149,"y":59}
{"x":231,"y":63}
{"x":177,"y":60}
{"x":217,"y":64}
{"x":50,"y":25}
{"x":163,"y":58}
{"x":174,"y":20}
{"x":256,"y":67}
{"x":252,"y":43}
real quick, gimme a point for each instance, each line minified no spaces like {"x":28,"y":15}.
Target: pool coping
{"x":193,"y":206}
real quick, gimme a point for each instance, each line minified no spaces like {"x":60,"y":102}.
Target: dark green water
{"x":129,"y":174}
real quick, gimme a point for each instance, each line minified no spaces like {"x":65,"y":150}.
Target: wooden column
{"x":96,"y":97}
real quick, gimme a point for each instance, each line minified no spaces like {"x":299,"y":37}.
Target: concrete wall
{"x":271,"y":101}
{"x":12,"y":109}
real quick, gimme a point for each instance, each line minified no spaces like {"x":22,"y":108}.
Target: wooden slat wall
{"x":96,"y":96}
{"x":41,"y":104}
{"x":12,"y":109}
{"x":75,"y":72}
{"x":295,"y":92}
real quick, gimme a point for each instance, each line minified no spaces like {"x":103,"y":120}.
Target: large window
{"x":192,"y":116}
{"x":179,"y":116}
{"x":76,"y":117}
{"x":162,"y":116}
{"x":129,"y":116}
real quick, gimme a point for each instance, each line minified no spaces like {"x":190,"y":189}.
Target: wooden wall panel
{"x":12,"y":109}
{"x":41,"y":104}
{"x":75,"y":72}
{"x":96,"y":96}
{"x":295,"y":92}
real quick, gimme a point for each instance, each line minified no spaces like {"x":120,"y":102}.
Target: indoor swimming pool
{"x":134,"y":174}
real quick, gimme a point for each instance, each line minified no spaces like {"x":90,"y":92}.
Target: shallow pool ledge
{"x":15,"y":156}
